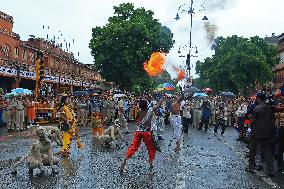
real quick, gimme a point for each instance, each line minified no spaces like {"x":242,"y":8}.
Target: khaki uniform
{"x":196,"y":114}
{"x":11,"y":114}
{"x":20,"y":114}
{"x":81,"y":112}
{"x":111,"y":110}
{"x":213,"y":116}
{"x":230,"y":110}
{"x":121,"y":117}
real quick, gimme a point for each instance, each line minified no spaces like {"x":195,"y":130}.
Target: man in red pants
{"x":143,"y":131}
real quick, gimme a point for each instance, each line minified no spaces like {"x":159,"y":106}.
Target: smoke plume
{"x":211,"y":30}
{"x":219,"y":4}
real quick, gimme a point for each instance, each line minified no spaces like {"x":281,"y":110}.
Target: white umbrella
{"x":119,"y":95}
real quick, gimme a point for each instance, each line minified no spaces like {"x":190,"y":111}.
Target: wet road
{"x":206,"y":161}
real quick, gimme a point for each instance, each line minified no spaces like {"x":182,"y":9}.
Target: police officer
{"x":121,"y":113}
{"x":104,"y":107}
{"x":195,"y":108}
{"x":20,"y":114}
{"x":111,"y":109}
{"x":81,"y":112}
{"x":11,"y":113}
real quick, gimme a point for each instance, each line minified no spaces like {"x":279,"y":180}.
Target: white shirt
{"x":242,"y":110}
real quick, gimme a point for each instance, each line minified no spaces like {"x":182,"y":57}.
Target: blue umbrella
{"x":21,"y":91}
{"x":200,"y":95}
{"x":81,"y":93}
{"x":18,"y":90}
{"x":7,"y":95}
{"x":27,"y":92}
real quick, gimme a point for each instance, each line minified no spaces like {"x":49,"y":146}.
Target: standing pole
{"x":190,"y":37}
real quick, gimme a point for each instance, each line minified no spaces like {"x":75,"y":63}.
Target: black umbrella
{"x":228,"y":94}
{"x":192,"y":90}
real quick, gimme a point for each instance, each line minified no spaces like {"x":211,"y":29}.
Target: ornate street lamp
{"x":190,"y":11}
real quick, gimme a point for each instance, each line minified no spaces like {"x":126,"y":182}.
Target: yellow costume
{"x":97,"y":122}
{"x":72,"y":133}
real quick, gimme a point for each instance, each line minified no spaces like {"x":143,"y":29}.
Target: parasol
{"x":21,"y":91}
{"x":207,"y":90}
{"x":201,"y":95}
{"x":166,"y":87}
{"x":192,"y":89}
{"x":119,"y":95}
{"x":81,"y":93}
{"x":228,"y":94}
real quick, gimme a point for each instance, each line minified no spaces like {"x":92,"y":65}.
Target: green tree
{"x":238,"y":62}
{"x":122,"y":46}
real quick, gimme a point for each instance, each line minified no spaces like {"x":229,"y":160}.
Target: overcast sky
{"x":76,"y":18}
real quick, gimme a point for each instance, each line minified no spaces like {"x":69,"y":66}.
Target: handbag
{"x":65,"y":126}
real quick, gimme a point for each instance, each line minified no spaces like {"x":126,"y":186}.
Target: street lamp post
{"x":190,"y":12}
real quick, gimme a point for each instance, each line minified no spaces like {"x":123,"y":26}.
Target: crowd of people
{"x":259,"y":121}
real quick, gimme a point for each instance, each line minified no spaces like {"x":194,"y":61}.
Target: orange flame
{"x":155,"y":65}
{"x":181,"y":73}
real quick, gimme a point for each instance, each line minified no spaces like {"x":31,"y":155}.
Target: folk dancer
{"x":176,"y":122}
{"x":112,"y":134}
{"x":143,"y":131}
{"x":68,"y":126}
{"x":41,"y":153}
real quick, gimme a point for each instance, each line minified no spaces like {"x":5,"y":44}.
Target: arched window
{"x":24,"y":55}
{"x":51,"y":63}
{"x":32,"y":57}
{"x":6,"y":50}
{"x":16,"y":52}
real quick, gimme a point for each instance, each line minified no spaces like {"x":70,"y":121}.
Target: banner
{"x":96,"y":86}
{"x":77,"y":83}
{"x":65,"y":81}
{"x":50,"y":78}
{"x":11,"y":72}
{"x":86,"y":84}
{"x":27,"y":74}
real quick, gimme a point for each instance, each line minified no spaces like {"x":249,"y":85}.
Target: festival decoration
{"x":156,"y":64}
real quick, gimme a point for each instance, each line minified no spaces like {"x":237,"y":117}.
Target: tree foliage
{"x":237,"y":64}
{"x":122,"y":46}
